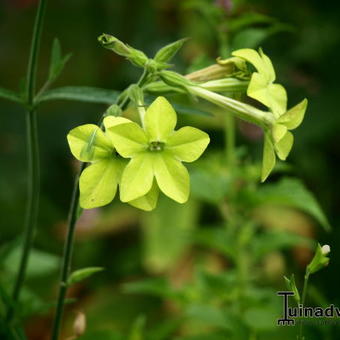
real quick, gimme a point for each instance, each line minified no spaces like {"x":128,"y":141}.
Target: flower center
{"x":156,"y":146}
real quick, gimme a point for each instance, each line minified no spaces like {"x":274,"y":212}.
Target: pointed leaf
{"x":57,"y":62}
{"x":172,"y":177}
{"x":160,"y":120}
{"x":10,"y":95}
{"x":80,"y":93}
{"x":129,"y":139}
{"x":284,"y":146}
{"x":81,"y":274}
{"x":149,"y":201}
{"x":137,"y":178}
{"x":167,"y":52}
{"x":98,"y":183}
{"x":269,"y":158}
{"x":88,"y":143}
{"x":293,"y":118}
{"x":187,"y":144}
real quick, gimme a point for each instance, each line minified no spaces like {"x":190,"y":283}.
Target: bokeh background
{"x":303,"y":40}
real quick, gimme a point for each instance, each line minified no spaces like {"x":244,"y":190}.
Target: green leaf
{"x":98,"y":183}
{"x":81,"y":274}
{"x":166,"y":236}
{"x":291,"y":285}
{"x":291,"y":192}
{"x":129,"y":139}
{"x":160,"y":120}
{"x":10,"y":95}
{"x":137,"y":178}
{"x":138,"y":328}
{"x":319,"y":261}
{"x":57,"y":62}
{"x":269,"y":158}
{"x":172,"y":177}
{"x":167,"y":52}
{"x":187,"y":144}
{"x":40,"y":263}
{"x":88,"y":143}
{"x":80,"y":93}
{"x":261,"y":318}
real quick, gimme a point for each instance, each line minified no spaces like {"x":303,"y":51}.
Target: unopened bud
{"x":167,"y":52}
{"x":175,"y":79}
{"x":114,"y":110}
{"x":135,"y":93}
{"x":326,"y":249}
{"x":112,"y":43}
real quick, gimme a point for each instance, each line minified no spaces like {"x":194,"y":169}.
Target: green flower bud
{"x":114,"y":110}
{"x":320,"y":259}
{"x":175,"y":79}
{"x":167,"y":52}
{"x":135,"y":93}
{"x":111,"y":43}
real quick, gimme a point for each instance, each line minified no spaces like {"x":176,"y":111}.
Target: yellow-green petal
{"x":269,"y":158}
{"x":128,"y":139}
{"x":187,"y":144}
{"x":137,"y":178}
{"x":172,"y":177}
{"x":278,"y":132}
{"x":113,"y":121}
{"x":293,"y":117}
{"x":160,"y":120}
{"x":284,"y":146}
{"x":149,"y":201}
{"x":89,"y":143}
{"x":98,"y":183}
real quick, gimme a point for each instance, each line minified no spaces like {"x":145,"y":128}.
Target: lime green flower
{"x":261,"y":86}
{"x":278,"y":139}
{"x":157,"y":152}
{"x":98,"y":182}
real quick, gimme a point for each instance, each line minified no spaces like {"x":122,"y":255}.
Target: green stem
{"x":72,"y":221}
{"x":303,"y":299}
{"x":33,"y":159}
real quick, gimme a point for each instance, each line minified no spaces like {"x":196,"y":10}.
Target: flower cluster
{"x":156,"y":152}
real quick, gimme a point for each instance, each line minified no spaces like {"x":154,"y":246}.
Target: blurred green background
{"x":303,"y":40}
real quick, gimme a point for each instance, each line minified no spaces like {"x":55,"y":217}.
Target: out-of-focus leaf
{"x":208,"y":315}
{"x":164,"y":329}
{"x":137,"y":329}
{"x":292,"y":193}
{"x":261,"y":318}
{"x":40,"y":263}
{"x":80,"y":93}
{"x":167,"y":236}
{"x":102,"y":335}
{"x":57,"y":62}
{"x":82,"y":274}
{"x":10,"y":95}
{"x":276,"y":240}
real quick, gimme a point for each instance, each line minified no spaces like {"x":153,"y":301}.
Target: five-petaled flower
{"x":156,"y":152}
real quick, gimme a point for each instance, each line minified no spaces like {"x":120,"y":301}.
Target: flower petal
{"x":172,"y":177}
{"x":149,"y":201}
{"x":187,"y":144}
{"x":269,"y":158}
{"x":137,"y":178}
{"x":113,"y":121}
{"x":284,"y":146}
{"x":293,"y":117}
{"x":129,"y":139}
{"x":98,"y":183}
{"x":278,"y":132}
{"x":89,"y":143}
{"x":278,"y":98}
{"x":160,"y":120}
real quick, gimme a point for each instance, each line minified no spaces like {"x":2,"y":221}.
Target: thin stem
{"x":122,"y":100}
{"x":303,"y":299}
{"x":33,"y":159}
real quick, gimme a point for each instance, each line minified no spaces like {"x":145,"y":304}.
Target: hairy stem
{"x":122,"y":100}
{"x":33,"y":159}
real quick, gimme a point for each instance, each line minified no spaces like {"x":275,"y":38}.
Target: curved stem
{"x":72,"y":221}
{"x":33,"y":159}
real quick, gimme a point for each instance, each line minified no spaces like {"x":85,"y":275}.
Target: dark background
{"x":307,"y":63}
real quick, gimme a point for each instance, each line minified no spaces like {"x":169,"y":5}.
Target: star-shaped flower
{"x":98,"y":182}
{"x":261,"y":86}
{"x":279,"y":140}
{"x":157,"y":152}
